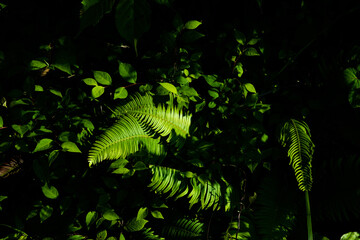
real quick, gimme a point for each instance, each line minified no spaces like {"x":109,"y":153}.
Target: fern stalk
{"x":308,"y":216}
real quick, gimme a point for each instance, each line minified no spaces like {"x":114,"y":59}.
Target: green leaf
{"x":120,"y":93}
{"x":64,"y":67}
{"x":70,"y":147}
{"x":101,"y":235}
{"x":213,"y":94}
{"x":250,"y":87}
{"x":240,"y":37}
{"x":50,"y":192}
{"x":191,"y":36}
{"x":142,"y":213}
{"x":102,"y":77}
{"x":21,"y":129}
{"x":193,"y":24}
{"x":122,"y":237}
{"x":239,"y":69}
{"x":38,"y":88}
{"x":135,"y":225}
{"x":351,"y":79}
{"x":251,"y":52}
{"x":350,"y":236}
{"x":253,"y":41}
{"x":157,"y":214}
{"x":121,"y":171}
{"x":97,"y":91}
{"x":90,"y":81}
{"x":36,"y":65}
{"x":140,"y":166}
{"x":43,"y":144}
{"x":91,"y":218}
{"x":52,"y":156}
{"x":169,"y":87}
{"x":56,"y":92}
{"x":132,"y":19}
{"x":45,"y":213}
{"x":110,"y":215}
{"x":127,"y":72}
{"x":75,"y":237}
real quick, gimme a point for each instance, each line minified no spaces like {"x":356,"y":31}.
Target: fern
{"x":184,"y":229}
{"x":176,"y":184}
{"x":297,"y":135}
{"x":139,"y":121}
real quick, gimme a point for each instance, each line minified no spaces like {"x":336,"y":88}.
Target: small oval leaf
{"x":102,"y":77}
{"x":120,"y":93}
{"x":43,"y":144}
{"x":70,"y":147}
{"x":193,"y":24}
{"x":169,"y":87}
{"x":50,"y":192}
{"x":97,"y":91}
{"x":90,"y":81}
{"x":110,"y":215}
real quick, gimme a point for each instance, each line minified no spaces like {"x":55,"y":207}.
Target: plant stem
{"x":308,"y":216}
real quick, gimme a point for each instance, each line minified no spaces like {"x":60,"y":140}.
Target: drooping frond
{"x":176,"y":184}
{"x":149,"y":234}
{"x":296,"y":135}
{"x":139,"y":121}
{"x":184,"y":229}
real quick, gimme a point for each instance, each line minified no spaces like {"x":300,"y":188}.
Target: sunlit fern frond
{"x":138,"y":124}
{"x":169,"y":121}
{"x":296,"y":135}
{"x":175,"y":183}
{"x":184,"y":228}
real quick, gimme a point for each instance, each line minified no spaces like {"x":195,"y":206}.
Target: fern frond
{"x":171,"y":181}
{"x":122,"y":139}
{"x":184,"y":229}
{"x":297,"y":135}
{"x":150,"y":235}
{"x":139,"y":121}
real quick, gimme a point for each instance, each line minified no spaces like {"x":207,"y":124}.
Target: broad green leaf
{"x":97,"y":91}
{"x":122,"y":237}
{"x":193,"y":24}
{"x":110,"y":215}
{"x":120,"y":93}
{"x":50,"y":192}
{"x":121,"y":171}
{"x":350,"y":236}
{"x":102,"y":77}
{"x":91,"y":218}
{"x":142,"y":213}
{"x":67,"y":136}
{"x":253,"y":41}
{"x":119,"y":163}
{"x":43,"y":144}
{"x":21,"y":129}
{"x":127,"y":72}
{"x":250,"y":87}
{"x":169,"y":87}
{"x":213,"y":94}
{"x":191,"y":36}
{"x":157,"y":214}
{"x":36,"y":65}
{"x":188,"y":91}
{"x":135,"y":225}
{"x":56,"y":92}
{"x":38,"y":88}
{"x":101,"y":235}
{"x":251,"y":52}
{"x":2,"y":198}
{"x":140,"y":166}
{"x":90,"y":81}
{"x":45,"y":213}
{"x":239,"y":69}
{"x":1,"y":122}
{"x":70,"y":147}
{"x":240,"y":37}
{"x":132,"y":19}
{"x":64,"y":67}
